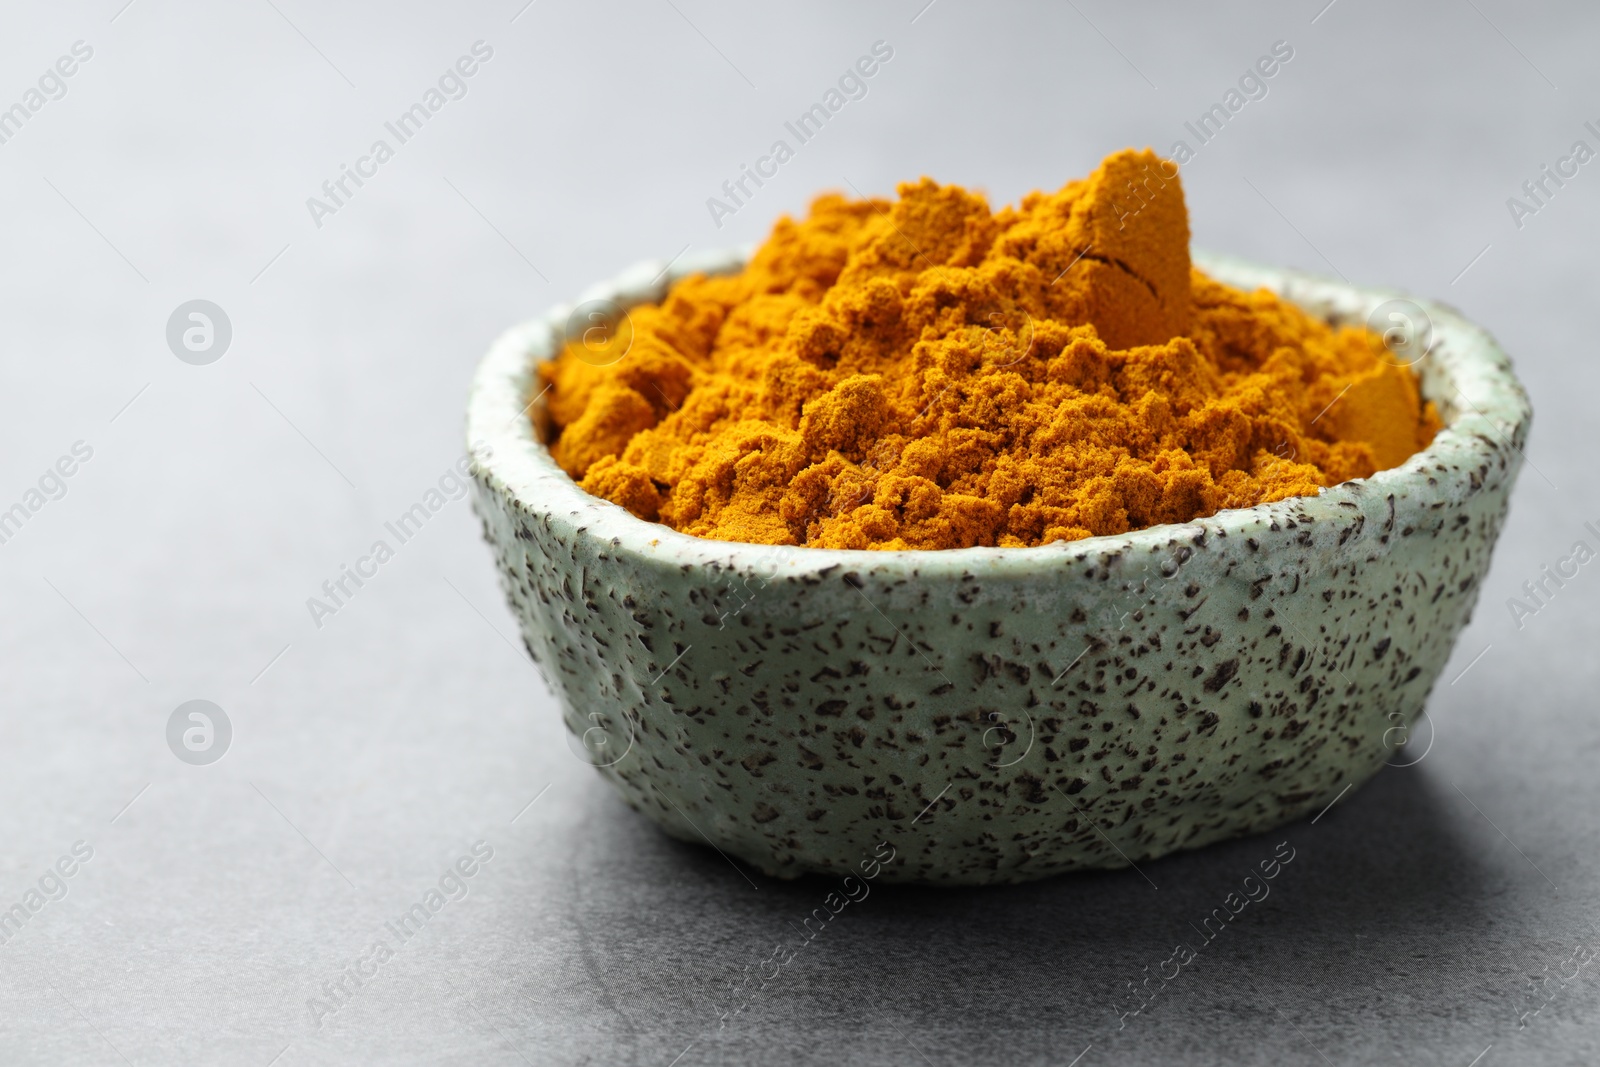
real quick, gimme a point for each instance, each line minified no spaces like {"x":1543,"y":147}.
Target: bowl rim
{"x":1468,"y":452}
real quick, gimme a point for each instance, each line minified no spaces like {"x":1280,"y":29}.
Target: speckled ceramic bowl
{"x":1001,"y":714}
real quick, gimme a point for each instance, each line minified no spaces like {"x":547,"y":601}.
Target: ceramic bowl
{"x":1000,"y":714}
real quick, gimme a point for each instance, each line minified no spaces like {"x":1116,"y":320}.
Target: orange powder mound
{"x":925,"y":373}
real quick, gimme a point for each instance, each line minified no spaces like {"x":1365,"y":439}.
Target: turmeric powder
{"x":926,"y":373}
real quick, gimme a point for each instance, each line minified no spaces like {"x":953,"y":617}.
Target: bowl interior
{"x":1464,"y":373}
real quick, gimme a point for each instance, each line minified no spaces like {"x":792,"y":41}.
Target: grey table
{"x":212,"y":909}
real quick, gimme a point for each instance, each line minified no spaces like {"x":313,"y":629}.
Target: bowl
{"x":992,"y":715}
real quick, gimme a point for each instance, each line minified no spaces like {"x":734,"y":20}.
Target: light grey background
{"x":370,"y":753}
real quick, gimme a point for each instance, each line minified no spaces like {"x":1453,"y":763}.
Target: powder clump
{"x":925,"y":373}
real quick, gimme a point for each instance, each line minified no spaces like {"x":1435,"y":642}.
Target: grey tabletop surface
{"x":1442,"y":914}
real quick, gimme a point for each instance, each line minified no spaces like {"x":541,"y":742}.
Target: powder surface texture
{"x":926,"y":373}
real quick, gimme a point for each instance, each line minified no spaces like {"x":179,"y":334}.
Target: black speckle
{"x":1221,"y":675}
